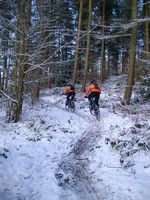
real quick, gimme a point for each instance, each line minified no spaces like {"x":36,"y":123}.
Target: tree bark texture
{"x":131,"y":68}
{"x":146,"y":12}
{"x":103,"y":68}
{"x":87,"y":47}
{"x":77,"y":44}
{"x":21,"y":47}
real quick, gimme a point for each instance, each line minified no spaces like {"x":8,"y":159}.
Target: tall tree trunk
{"x":21,"y":58}
{"x":13,"y":113}
{"x":131,"y":69}
{"x":5,"y":34}
{"x":103,"y":68}
{"x":77,"y":44}
{"x":108,"y":63}
{"x":115,"y":54}
{"x":146,"y":12}
{"x":5,"y":75}
{"x":87,"y":47}
{"x":43,"y":53}
{"x":125,"y":58}
{"x":21,"y":47}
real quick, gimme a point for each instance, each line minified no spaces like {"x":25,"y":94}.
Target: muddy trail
{"x":73,"y":171}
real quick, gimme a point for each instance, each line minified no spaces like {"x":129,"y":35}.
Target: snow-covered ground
{"x":52,"y":154}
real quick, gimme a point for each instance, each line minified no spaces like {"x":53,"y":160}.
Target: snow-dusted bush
{"x":142,"y":93}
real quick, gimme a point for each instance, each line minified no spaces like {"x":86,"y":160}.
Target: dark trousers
{"x":94,"y":95}
{"x":71,"y":96}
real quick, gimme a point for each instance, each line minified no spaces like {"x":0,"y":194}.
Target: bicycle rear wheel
{"x":97,"y":113}
{"x":72,"y":106}
{"x":92,"y":107}
{"x":91,"y":110}
{"x":67,"y":105}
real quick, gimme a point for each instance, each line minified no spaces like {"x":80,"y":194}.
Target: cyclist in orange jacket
{"x":70,"y":92}
{"x":93,"y":91}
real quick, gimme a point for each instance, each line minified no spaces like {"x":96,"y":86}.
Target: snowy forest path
{"x":53,"y":154}
{"x":72,"y":173}
{"x":48,"y":140}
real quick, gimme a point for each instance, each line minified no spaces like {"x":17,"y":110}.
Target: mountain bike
{"x":70,"y":105}
{"x":94,"y":109}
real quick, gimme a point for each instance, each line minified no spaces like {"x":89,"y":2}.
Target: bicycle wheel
{"x":67,"y":105}
{"x":97,"y":113}
{"x":91,"y":110}
{"x":91,"y":107}
{"x":72,"y":106}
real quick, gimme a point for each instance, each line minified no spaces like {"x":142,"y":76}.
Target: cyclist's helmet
{"x":71,"y":85}
{"x":92,"y":82}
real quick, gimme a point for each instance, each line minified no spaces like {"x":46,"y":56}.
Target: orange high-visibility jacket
{"x":68,"y":89}
{"x":92,"y":88}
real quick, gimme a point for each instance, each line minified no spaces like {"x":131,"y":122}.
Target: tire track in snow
{"x":73,"y":174}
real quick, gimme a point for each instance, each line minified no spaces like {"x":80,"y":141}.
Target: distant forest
{"x":47,"y":43}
